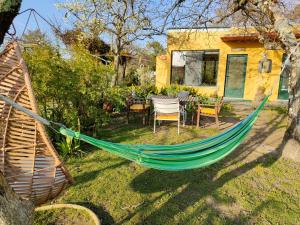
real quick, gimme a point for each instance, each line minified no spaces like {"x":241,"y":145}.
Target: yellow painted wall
{"x":211,"y":40}
{"x":161,"y":71}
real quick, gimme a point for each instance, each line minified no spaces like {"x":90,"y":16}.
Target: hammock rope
{"x":165,"y":157}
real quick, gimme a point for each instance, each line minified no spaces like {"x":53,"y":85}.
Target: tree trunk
{"x":8,"y":10}
{"x":294,"y":100}
{"x":13,"y":210}
{"x":289,"y":43}
{"x":124,"y":69}
{"x":117,"y":69}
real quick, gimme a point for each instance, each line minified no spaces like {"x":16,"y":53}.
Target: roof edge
{"x":200,"y":29}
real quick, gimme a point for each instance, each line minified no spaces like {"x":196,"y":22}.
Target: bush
{"x":144,"y":91}
{"x":173,"y":90}
{"x":116,"y":96}
{"x":69,"y":89}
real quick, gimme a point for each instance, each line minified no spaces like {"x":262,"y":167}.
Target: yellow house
{"x":222,"y":61}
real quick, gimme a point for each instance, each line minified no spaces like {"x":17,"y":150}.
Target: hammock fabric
{"x":181,"y":156}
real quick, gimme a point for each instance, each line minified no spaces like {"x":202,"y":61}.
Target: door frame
{"x":244,"y":72}
{"x":282,"y":95}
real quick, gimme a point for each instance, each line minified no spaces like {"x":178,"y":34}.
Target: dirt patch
{"x":266,"y":136}
{"x":232,"y":210}
{"x":291,"y":150}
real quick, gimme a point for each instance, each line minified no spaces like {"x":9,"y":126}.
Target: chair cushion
{"x":209,"y":111}
{"x":171,"y":116}
{"x":139,"y":106}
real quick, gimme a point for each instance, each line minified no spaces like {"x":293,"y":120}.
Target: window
{"x":195,"y":68}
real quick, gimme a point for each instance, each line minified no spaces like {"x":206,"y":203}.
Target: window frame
{"x":198,"y":50}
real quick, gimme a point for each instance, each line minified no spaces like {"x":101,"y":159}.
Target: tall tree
{"x":154,"y":48}
{"x":8,"y":10}
{"x":123,"y":21}
{"x":94,"y":44}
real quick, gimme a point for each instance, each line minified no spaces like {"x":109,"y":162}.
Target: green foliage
{"x":116,"y":96}
{"x":139,"y":75}
{"x":227,"y":107}
{"x":132,"y":77}
{"x":144,"y":91}
{"x":155,"y":48}
{"x":69,"y":88}
{"x":69,"y":147}
{"x":146,"y":76}
{"x":174,"y":89}
{"x":170,"y":90}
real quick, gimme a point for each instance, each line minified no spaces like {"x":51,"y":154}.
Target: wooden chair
{"x":210,"y":110}
{"x":166,"y":109}
{"x":138,"y":105}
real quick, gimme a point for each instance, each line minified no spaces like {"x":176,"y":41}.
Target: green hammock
{"x":166,"y":157}
{"x":181,"y":156}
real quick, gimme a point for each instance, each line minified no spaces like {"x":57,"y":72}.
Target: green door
{"x":235,"y":76}
{"x":284,"y":82}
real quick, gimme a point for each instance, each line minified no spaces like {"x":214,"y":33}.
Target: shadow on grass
{"x":144,"y":134}
{"x":135,"y":130}
{"x":91,"y":175}
{"x":125,"y":132}
{"x":100,"y":211}
{"x":203,"y":183}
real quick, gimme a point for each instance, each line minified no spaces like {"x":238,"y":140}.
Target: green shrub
{"x":227,"y":107}
{"x":116,"y":96}
{"x":174,"y":89}
{"x":69,"y":147}
{"x":171,"y":90}
{"x":144,"y":91}
{"x":69,"y":89}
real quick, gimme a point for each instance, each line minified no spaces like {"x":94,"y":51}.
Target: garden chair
{"x":137,"y":105}
{"x":210,"y":110}
{"x":166,"y":109}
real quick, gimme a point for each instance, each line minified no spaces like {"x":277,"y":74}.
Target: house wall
{"x":162,"y":71}
{"x":211,"y":40}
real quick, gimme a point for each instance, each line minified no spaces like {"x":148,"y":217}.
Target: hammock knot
{"x":77,"y":134}
{"x":140,"y":157}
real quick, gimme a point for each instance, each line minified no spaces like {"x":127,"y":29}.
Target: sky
{"x":48,"y":10}
{"x":45,"y":7}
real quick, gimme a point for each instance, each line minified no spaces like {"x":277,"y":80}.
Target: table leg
{"x":198,"y":118}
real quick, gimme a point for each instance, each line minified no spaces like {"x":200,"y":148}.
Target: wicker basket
{"x":28,"y":160}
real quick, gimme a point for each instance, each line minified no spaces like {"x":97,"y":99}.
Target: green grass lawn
{"x":243,"y":188}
